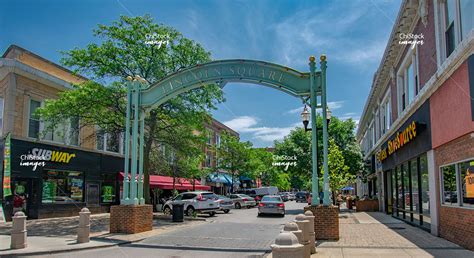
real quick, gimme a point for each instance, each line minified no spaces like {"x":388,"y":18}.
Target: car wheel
{"x":190,"y":211}
{"x":226,"y":211}
{"x":282,"y":215}
{"x":167,"y":210}
{"x":248,"y":207}
{"x":212,"y":214}
{"x":237,"y":205}
{"x":258,"y":214}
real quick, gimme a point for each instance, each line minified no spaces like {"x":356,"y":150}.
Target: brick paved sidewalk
{"x":374,"y":234}
{"x":59,"y":234}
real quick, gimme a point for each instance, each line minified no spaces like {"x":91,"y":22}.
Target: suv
{"x":200,"y":202}
{"x":301,"y":197}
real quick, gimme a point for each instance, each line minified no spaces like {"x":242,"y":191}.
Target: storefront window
{"x":399,"y":189}
{"x":414,"y":186}
{"x":450,"y":195}
{"x":62,"y":187}
{"x":466,"y":170}
{"x":406,"y":186}
{"x":108,"y":188}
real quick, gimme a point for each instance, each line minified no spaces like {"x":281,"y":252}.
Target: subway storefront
{"x":53,"y":181}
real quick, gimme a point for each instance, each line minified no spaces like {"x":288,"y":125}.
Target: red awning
{"x":166,"y":183}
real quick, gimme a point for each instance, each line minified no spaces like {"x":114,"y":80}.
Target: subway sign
{"x":402,"y":138}
{"x":38,"y":157}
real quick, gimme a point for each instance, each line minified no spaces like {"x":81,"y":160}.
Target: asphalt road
{"x":237,"y":234}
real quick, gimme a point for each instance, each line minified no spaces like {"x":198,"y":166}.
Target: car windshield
{"x":271,"y":199}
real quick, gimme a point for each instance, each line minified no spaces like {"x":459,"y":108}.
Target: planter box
{"x":367,"y":205}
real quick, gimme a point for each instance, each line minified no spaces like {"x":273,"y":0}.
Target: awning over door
{"x":166,"y":183}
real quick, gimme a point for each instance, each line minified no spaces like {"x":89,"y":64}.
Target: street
{"x":237,"y":234}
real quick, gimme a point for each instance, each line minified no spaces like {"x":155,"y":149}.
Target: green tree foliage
{"x":233,"y":155}
{"x":298,"y":142}
{"x":339,"y":175}
{"x":124,"y":50}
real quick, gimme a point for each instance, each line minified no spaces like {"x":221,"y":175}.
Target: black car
{"x":301,"y":197}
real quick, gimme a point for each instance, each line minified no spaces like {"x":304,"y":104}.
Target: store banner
{"x":7,"y":191}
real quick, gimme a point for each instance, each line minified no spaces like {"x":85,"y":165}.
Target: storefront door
{"x":25,"y":196}
{"x":93,"y":194}
{"x":388,"y":192}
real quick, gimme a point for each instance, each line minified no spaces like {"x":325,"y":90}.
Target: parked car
{"x":291,"y":196}
{"x":198,"y":201}
{"x":258,"y":193}
{"x":225,"y":203}
{"x":271,"y":204}
{"x":284,"y":196}
{"x":301,"y":196}
{"x":242,"y":200}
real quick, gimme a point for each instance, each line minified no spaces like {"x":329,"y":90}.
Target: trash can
{"x":178,"y":212}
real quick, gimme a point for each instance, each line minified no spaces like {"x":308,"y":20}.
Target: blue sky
{"x":352,"y":33}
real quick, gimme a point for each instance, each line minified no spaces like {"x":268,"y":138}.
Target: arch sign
{"x":142,"y":97}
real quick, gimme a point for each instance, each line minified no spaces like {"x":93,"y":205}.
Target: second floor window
{"x":34,"y":122}
{"x":1,"y":115}
{"x":112,"y":142}
{"x":407,"y":83}
{"x":458,"y":22}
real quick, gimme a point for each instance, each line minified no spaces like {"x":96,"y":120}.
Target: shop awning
{"x":166,"y":183}
{"x":223,"y":178}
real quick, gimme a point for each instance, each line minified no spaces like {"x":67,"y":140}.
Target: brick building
{"x":50,"y":187}
{"x":417,"y":127}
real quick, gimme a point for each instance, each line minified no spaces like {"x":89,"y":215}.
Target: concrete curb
{"x":169,"y":217}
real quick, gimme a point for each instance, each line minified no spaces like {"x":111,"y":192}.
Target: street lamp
{"x":305,"y":118}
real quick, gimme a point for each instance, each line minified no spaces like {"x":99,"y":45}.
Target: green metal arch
{"x":223,"y":71}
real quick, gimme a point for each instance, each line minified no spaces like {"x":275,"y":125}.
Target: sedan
{"x":242,"y":200}
{"x":225,"y":203}
{"x":271,"y":204}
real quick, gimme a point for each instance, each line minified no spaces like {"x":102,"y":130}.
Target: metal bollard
{"x":303,"y":224}
{"x":18,"y":234}
{"x":312,"y":236}
{"x":293,"y":228}
{"x":287,"y":246}
{"x":83,"y":232}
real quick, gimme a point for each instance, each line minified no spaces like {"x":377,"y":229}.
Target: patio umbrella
{"x":348,"y":188}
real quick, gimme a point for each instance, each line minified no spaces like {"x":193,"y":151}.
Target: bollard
{"x":293,"y":228}
{"x":312,"y":236}
{"x":287,"y":246}
{"x":84,"y":229}
{"x":303,"y":224}
{"x":18,"y":235}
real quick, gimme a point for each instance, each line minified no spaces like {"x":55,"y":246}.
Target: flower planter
{"x":367,"y":205}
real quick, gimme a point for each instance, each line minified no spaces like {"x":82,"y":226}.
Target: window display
{"x":62,"y":187}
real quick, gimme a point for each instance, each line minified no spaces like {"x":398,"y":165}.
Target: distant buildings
{"x":417,"y":128}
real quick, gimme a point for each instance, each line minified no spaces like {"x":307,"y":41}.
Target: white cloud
{"x":247,"y":124}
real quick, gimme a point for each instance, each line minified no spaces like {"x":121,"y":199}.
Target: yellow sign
{"x":402,"y":138}
{"x":470,"y":182}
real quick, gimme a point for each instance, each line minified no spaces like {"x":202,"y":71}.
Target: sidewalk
{"x":46,"y":236}
{"x":374,"y":234}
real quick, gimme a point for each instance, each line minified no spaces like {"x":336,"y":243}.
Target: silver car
{"x":271,"y":204}
{"x":242,"y":200}
{"x":225,"y":203}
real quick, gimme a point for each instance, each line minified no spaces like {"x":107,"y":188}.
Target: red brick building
{"x":417,"y":128}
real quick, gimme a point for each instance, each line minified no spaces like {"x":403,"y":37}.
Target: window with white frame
{"x":457,"y":184}
{"x":377,"y":126}
{"x":407,"y":80}
{"x":66,"y":132}
{"x":218,"y":140}
{"x":457,"y":22}
{"x":208,"y":137}
{"x":1,"y":116}
{"x":385,"y":114}
{"x":111,"y":142}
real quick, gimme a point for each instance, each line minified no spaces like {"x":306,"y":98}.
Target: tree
{"x":339,"y":175}
{"x":124,"y":51}
{"x":298,"y":143}
{"x":233,"y":155}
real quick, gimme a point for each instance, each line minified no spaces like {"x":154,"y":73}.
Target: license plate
{"x":212,"y":204}
{"x":271,"y":206}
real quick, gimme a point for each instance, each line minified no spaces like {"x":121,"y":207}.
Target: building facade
{"x":53,"y":173}
{"x":417,"y":127}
